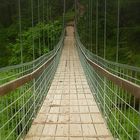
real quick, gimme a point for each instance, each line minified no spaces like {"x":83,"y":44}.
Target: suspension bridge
{"x":70,"y":93}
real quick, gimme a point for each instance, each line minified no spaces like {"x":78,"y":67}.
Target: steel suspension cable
{"x":39,"y":23}
{"x":44,"y":44}
{"x":86,"y":26}
{"x":75,"y":13}
{"x":118,"y":30}
{"x":51,"y":30}
{"x":20,"y":31}
{"x":117,"y":53}
{"x":105,"y":31}
{"x":97,"y":8}
{"x":64,"y":11}
{"x":22,"y":69}
{"x":105,"y":20}
{"x":91,"y":25}
{"x":90,"y":13}
{"x":32,"y":14}
{"x":48,"y":32}
{"x":33,"y":45}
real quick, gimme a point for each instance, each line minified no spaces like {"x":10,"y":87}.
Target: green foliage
{"x":50,"y":12}
{"x":123,"y":126}
{"x":14,"y":113}
{"x":129,"y":41}
{"x":40,"y":35}
{"x":69,"y":15}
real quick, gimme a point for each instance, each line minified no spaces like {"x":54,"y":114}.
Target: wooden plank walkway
{"x":69,"y":111}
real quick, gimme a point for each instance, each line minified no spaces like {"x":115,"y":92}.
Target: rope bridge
{"x":23,"y":97}
{"x":114,"y":86}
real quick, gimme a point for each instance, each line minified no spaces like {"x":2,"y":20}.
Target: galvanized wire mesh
{"x":118,"y":106}
{"x":19,"y":108}
{"x":12,"y":72}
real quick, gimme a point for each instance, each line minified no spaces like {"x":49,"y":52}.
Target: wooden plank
{"x":74,"y":109}
{"x":63,"y":118}
{"x":41,"y":118}
{"x":108,"y":138}
{"x":49,"y":130}
{"x":91,"y":102}
{"x":73,"y":96}
{"x":61,"y":138}
{"x":75,"y":130}
{"x":94,"y":109}
{"x":47,"y":138}
{"x":52,"y":118}
{"x":88,"y":130}
{"x":65,"y":102}
{"x":54,"y":110}
{"x":65,"y":97}
{"x":84,"y":109}
{"x":82,"y":102}
{"x":90,"y":139}
{"x":62,"y":130}
{"x":75,"y":118}
{"x":76,"y":138}
{"x":81,"y":96}
{"x":64,"y":110}
{"x":101,"y":129}
{"x":74,"y":102}
{"x":35,"y":130}
{"x":97,"y":118}
{"x":33,"y":138}
{"x":85,"y":118}
{"x":44,"y":110}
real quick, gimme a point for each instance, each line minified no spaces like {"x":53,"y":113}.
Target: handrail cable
{"x":40,"y":51}
{"x":97,"y":16}
{"x":20,"y":31}
{"x":127,"y":85}
{"x":12,"y":85}
{"x":118,"y":30}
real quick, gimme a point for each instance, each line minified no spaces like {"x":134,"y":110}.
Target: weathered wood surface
{"x":69,"y":111}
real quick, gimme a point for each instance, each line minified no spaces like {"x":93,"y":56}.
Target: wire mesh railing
{"x":127,"y":72}
{"x":19,"y":107}
{"x":12,"y":72}
{"x":122,"y":70}
{"x":118,"y":103}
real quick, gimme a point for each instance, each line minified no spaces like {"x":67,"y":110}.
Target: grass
{"x":12,"y":111}
{"x":123,"y":127}
{"x":6,"y":77}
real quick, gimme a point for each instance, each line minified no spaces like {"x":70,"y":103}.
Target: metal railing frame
{"x":21,"y":98}
{"x":115,"y":94}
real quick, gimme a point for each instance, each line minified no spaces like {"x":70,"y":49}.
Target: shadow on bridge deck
{"x":69,"y":111}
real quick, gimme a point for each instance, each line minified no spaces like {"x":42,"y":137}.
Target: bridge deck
{"x":69,"y":111}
